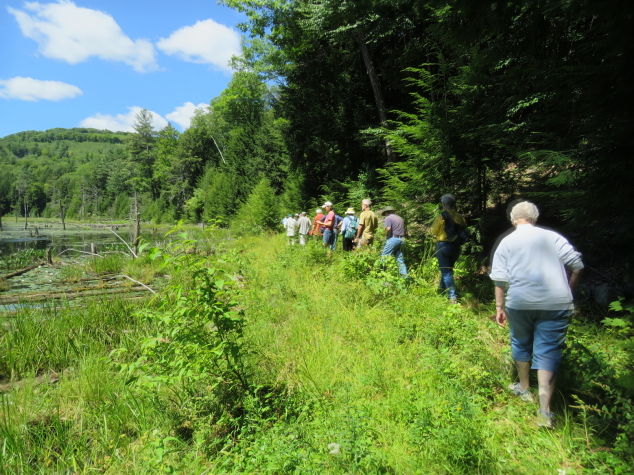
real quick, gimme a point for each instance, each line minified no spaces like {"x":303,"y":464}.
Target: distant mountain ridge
{"x":77,"y":134}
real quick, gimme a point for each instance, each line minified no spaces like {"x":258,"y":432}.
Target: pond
{"x":71,"y":277}
{"x":14,"y":237}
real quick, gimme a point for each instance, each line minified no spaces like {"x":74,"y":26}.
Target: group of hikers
{"x":355,"y":231}
{"x":534,"y":272}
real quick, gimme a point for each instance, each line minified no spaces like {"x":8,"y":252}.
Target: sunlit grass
{"x":355,"y":380}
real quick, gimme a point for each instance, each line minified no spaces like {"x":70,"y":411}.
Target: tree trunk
{"x":376,"y":86}
{"x":62,"y":214}
{"x":137,"y":233}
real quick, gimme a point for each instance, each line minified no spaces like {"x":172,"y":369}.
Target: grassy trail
{"x":402,"y":384}
{"x":348,"y":372}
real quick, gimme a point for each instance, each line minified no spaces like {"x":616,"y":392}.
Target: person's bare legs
{"x":523,"y":371}
{"x":546,"y":380}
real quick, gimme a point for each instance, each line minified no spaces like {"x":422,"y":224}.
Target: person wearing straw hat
{"x":394,"y":234}
{"x":349,"y":227}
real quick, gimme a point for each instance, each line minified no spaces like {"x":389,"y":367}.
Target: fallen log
{"x":22,"y":271}
{"x":67,"y":295}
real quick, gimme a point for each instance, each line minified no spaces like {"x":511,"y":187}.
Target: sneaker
{"x":525,"y":395}
{"x":453,"y":301}
{"x":545,"y":419}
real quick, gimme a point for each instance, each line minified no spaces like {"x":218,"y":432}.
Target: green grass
{"x":346,"y":376}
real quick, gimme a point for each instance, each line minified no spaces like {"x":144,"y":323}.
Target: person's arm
{"x":436,"y":227}
{"x":359,"y":232}
{"x":500,"y":314}
{"x":388,"y":233}
{"x":360,"y":227}
{"x":575,"y":275}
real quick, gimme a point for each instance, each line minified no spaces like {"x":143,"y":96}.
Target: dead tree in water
{"x":137,"y":233}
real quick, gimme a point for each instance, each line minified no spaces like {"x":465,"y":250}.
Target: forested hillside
{"x":399,"y":100}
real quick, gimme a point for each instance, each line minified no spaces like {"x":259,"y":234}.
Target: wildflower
{"x":334,"y":449}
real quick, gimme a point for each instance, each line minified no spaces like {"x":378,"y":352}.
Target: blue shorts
{"x":538,"y":336}
{"x":330,"y":238}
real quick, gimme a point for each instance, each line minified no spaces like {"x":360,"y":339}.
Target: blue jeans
{"x":447,"y":254}
{"x":538,"y":336}
{"x":394,"y":247}
{"x":330,"y":239}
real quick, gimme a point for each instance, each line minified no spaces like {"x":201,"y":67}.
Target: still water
{"x":14,"y":237}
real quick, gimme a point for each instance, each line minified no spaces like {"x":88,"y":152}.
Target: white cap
{"x":327,"y":203}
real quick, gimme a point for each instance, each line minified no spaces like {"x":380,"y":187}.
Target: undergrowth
{"x":266,"y":358}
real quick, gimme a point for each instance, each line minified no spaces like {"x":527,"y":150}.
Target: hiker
{"x":368,"y":223}
{"x":328,"y":222}
{"x":338,"y":222}
{"x":447,"y":249}
{"x":290,"y":226}
{"x":349,"y":227}
{"x":303,"y":224}
{"x":530,"y":264}
{"x":319,"y":215}
{"x":394,"y":235}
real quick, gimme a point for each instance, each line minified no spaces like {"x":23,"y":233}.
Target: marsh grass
{"x":345,"y":378}
{"x":73,"y":273}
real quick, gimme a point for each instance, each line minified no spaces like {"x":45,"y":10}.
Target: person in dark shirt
{"x":395,"y":234}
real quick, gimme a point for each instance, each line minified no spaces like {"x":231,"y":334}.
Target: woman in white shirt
{"x":530,"y":264}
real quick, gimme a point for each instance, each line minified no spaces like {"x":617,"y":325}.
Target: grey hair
{"x":303,"y":213}
{"x":525,"y":210}
{"x":367,"y":201}
{"x":448,"y":200}
{"x":319,"y":210}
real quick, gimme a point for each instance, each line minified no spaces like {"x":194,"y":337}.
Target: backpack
{"x":454,"y":231}
{"x":351,"y":230}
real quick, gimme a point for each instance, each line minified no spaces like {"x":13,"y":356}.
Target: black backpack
{"x":454,"y":231}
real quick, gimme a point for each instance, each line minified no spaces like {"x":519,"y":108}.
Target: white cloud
{"x":73,"y":34}
{"x":121,"y":122}
{"x":206,"y":42}
{"x":183,"y":115}
{"x":29,"y":89}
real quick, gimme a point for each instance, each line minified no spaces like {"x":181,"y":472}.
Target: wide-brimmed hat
{"x":350,"y":211}
{"x":386,"y":209}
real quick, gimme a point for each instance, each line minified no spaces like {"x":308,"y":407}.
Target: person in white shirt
{"x":304,"y":224}
{"x":530,"y":264}
{"x":290,"y":226}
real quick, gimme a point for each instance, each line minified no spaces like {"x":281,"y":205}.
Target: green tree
{"x":260,"y":212}
{"x":142,"y":147}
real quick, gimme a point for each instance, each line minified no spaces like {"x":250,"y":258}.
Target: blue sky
{"x":95,"y":63}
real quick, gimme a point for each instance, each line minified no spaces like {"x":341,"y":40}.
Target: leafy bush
{"x":601,"y":373}
{"x":196,"y":350}
{"x":380,"y":274}
{"x":22,"y":258}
